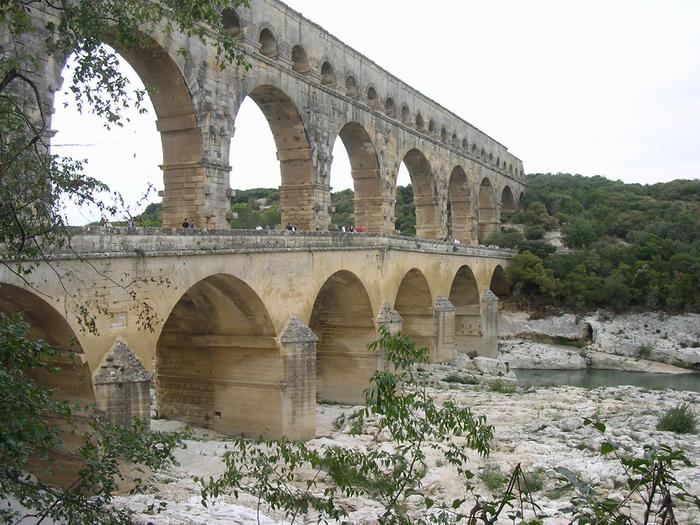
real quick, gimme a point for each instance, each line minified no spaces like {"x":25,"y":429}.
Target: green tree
{"x":528,"y":276}
{"x":34,"y":186}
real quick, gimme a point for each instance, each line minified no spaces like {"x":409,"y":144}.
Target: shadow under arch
{"x":343,"y":321}
{"x":364,"y":165}
{"x":499,"y":282}
{"x":464,"y":296}
{"x":414,"y":303}
{"x":297,"y":196}
{"x":508,"y":201}
{"x":460,"y":216}
{"x":424,"y":195}
{"x":71,"y":382}
{"x":217,"y":360}
{"x":488,"y":210}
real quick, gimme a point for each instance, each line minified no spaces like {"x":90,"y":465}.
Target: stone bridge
{"x":312,"y":89}
{"x":245,"y":331}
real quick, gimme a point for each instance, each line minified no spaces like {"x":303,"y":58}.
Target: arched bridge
{"x":245,"y":331}
{"x":313,"y":89}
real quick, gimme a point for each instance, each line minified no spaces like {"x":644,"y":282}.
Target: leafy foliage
{"x":681,"y":420}
{"x":649,"y":478}
{"x":301,"y":481}
{"x":37,"y":430}
{"x":634,"y":246}
{"x":34,"y":431}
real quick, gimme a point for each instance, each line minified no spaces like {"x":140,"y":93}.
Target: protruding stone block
{"x":489,"y":325}
{"x":123,"y":386}
{"x":298,"y":353}
{"x":445,"y":347}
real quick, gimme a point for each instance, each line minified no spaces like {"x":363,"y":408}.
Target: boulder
{"x":537,"y":356}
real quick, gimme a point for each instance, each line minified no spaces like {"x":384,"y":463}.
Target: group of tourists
{"x":352,"y":229}
{"x":187,"y":224}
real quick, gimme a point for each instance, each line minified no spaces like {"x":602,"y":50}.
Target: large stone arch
{"x":464,"y":296}
{"x":342,"y":319}
{"x":366,"y":176}
{"x":298,"y":193}
{"x":217,"y":360}
{"x":488,"y":209}
{"x":414,"y":303}
{"x":424,"y":195}
{"x":507,"y":200}
{"x":460,"y":206}
{"x":185,"y":174}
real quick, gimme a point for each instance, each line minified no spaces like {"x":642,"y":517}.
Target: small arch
{"x":455,"y":140}
{"x":424,"y":195}
{"x":268,"y":43}
{"x":293,"y":152}
{"x":300,"y":61}
{"x":231,"y":23}
{"x":465,"y":144}
{"x":415,"y":306}
{"x":488,"y":211}
{"x":431,"y":126}
{"x":499,"y":282}
{"x":443,"y":135}
{"x":420,"y":123}
{"x":483,"y":153}
{"x":351,"y":87}
{"x":507,"y":201}
{"x":221,"y":327}
{"x":464,"y":296}
{"x":473,"y":149}
{"x":327,"y":74}
{"x":372,"y":98}
{"x":364,"y":164}
{"x":389,"y":107}
{"x":490,"y":158}
{"x":498,"y":162}
{"x":460,"y":218}
{"x":342,"y":320}
{"x":405,"y":114}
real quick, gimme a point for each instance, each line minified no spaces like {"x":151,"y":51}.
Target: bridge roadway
{"x":245,"y":331}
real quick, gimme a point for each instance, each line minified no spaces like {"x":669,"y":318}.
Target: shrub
{"x":501,"y":387}
{"x":681,"y":420}
{"x":493,"y":478}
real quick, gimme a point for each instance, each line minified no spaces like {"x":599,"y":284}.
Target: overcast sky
{"x":597,"y":88}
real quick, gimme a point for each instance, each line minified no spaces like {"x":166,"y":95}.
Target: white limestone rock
{"x":517,"y":324}
{"x":535,"y":356}
{"x":494,"y":367}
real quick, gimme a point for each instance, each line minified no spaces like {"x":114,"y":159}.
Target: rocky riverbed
{"x":540,"y":428}
{"x":638,"y":342}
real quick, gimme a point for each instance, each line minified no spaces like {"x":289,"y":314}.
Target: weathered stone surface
{"x":493,"y":367}
{"x":123,"y":386}
{"x":120,"y":365}
{"x":674,"y":340}
{"x":569,"y":326}
{"x":536,"y":356}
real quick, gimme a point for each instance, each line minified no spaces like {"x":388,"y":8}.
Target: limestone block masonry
{"x":313,"y":89}
{"x":244,"y":331}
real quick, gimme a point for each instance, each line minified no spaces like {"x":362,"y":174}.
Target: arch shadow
{"x":343,"y":321}
{"x":217,"y":360}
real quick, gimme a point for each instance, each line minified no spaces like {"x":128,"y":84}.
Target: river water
{"x":589,"y":378}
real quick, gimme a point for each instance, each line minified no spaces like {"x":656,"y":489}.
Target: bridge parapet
{"x":100,"y":242}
